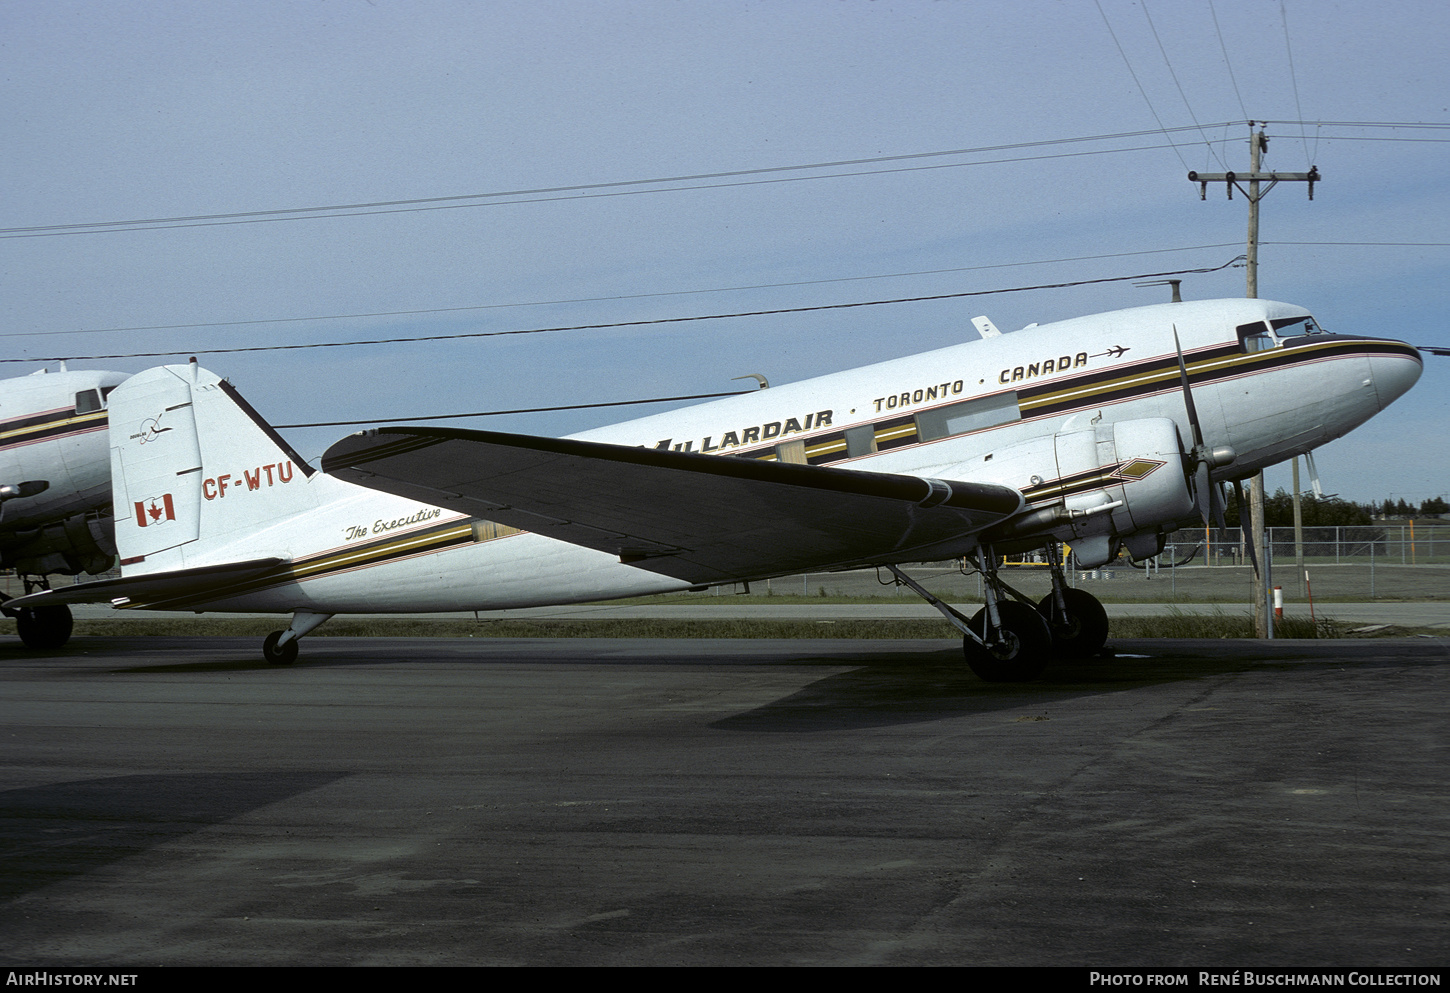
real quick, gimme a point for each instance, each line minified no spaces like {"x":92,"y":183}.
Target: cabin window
{"x":488,"y":530}
{"x":793,"y":452}
{"x":88,"y":402}
{"x":969,"y":415}
{"x":861,"y":441}
{"x":1256,"y":337}
{"x":1295,"y":327}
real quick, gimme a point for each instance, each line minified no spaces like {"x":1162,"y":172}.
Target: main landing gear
{"x":42,"y":629}
{"x":280,"y":647}
{"x":1010,"y":639}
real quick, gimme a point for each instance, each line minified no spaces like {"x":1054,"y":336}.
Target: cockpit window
{"x":1294,"y":327}
{"x":88,"y":402}
{"x":1256,"y":337}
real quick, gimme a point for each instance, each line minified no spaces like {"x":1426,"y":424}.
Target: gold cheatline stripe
{"x":826,"y":448}
{"x":1171,"y":373}
{"x":340,"y":560}
{"x":306,"y":570}
{"x":1104,"y":476}
{"x":48,"y":425}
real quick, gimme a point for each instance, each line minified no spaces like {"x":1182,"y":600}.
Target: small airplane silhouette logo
{"x":150,"y":429}
{"x":1113,"y":352}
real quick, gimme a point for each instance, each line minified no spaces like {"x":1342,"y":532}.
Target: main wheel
{"x":276,"y":654}
{"x":44,"y":628}
{"x":1022,"y":654}
{"x":1086,"y":629}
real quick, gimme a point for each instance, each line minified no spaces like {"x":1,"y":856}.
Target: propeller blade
{"x":1203,"y":492}
{"x":1188,"y":394}
{"x":1313,"y":476}
{"x":1244,"y":521}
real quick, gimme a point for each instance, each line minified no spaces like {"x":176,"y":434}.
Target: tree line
{"x":1332,"y":511}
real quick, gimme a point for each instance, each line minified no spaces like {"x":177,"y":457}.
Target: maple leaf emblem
{"x":154,"y":511}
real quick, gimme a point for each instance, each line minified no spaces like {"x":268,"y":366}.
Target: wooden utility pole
{"x":1258,"y":144}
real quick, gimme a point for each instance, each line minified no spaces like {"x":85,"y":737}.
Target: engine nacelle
{"x":1115,"y":483}
{"x":80,"y":543}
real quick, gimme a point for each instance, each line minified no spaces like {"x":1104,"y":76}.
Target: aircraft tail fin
{"x":195,"y":471}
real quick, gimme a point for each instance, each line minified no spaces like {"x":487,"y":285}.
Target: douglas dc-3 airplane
{"x":55,"y":488}
{"x":1106,"y":432}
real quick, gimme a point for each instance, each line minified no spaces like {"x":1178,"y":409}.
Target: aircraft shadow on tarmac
{"x":53,"y":832}
{"x":934,"y":685}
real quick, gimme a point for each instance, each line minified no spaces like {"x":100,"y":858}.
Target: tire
{"x":44,"y":629}
{"x":1024,"y":655}
{"x":276,"y":654}
{"x":1086,"y":630}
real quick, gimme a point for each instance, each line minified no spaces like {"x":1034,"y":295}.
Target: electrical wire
{"x":1229,"y":65}
{"x":621,"y":324}
{"x":348,"y":209}
{"x":625,"y":296}
{"x":581,"y":191}
{"x":1294,"y":80}
{"x":578,"y":196}
{"x":1174,"y":76}
{"x":520,"y":410}
{"x":1137,"y":83}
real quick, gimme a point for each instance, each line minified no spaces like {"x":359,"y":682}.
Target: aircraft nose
{"x":1395,"y":372}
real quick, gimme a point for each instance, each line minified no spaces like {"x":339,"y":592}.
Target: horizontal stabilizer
{"x":701,"y":518}
{"x":152,"y":589}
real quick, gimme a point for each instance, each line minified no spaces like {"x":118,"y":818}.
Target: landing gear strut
{"x":1010,"y":639}
{"x":1006,"y":641}
{"x":1078,"y":621}
{"x":280,"y":647}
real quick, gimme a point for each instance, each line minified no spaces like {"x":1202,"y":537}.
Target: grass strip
{"x":1172,"y":625}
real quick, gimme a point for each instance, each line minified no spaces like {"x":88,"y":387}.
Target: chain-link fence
{"x":1390,"y":543}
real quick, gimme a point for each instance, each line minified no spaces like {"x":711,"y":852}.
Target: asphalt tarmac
{"x":172,"y":801}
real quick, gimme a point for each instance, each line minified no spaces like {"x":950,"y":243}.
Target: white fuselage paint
{"x":1266,"y":412}
{"x":44,"y":437}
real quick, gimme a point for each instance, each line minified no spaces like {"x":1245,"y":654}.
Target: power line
{"x":520,"y":410}
{"x":1136,"y":82}
{"x":1226,"y":62}
{"x":625,"y":296}
{"x":620,"y":324}
{"x":1368,"y":124}
{"x":580,"y":191}
{"x":470,"y":199}
{"x":1367,"y":244}
{"x":1174,"y":76}
{"x":1294,"y":79}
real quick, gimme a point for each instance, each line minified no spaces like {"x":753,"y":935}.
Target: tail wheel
{"x":1022,"y":647}
{"x":1085,"y":629}
{"x":276,"y":654}
{"x":44,"y":628}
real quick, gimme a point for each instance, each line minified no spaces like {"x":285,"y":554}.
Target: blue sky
{"x":120,"y":111}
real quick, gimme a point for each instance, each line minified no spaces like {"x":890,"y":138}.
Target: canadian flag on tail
{"x":154,"y":511}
